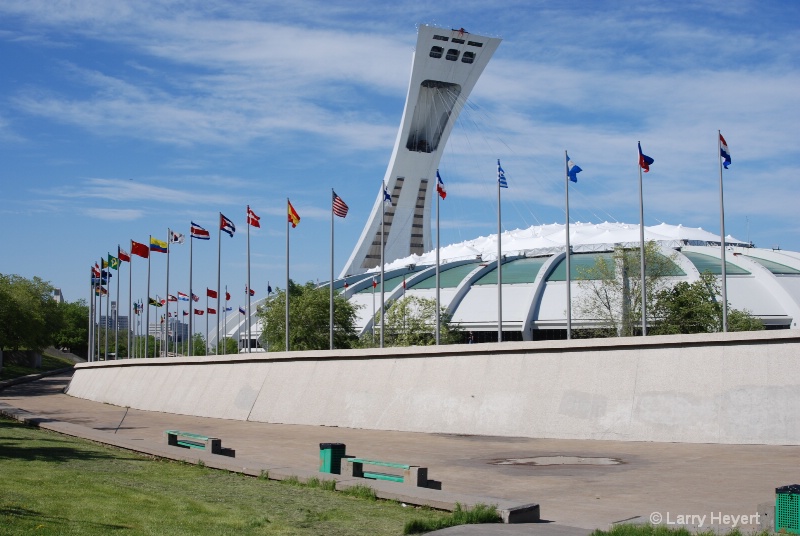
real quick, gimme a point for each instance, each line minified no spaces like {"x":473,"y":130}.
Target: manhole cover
{"x":558,"y":460}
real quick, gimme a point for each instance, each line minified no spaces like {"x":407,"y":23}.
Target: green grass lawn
{"x":11,"y":371}
{"x":54,"y":484}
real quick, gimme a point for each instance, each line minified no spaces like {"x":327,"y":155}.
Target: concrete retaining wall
{"x":719,"y":388}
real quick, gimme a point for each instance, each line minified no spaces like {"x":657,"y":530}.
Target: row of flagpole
{"x":100,"y":277}
{"x":644,"y":163}
{"x":340,"y":209}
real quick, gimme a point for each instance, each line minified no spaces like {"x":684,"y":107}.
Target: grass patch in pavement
{"x":480,"y":513}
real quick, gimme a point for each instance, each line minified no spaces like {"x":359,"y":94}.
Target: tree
{"x":613,"y":288}
{"x":411,"y":321}
{"x":198,"y":344}
{"x":694,"y":308}
{"x":309,"y":308}
{"x":74,"y":332}
{"x":229,"y":347}
{"x":29,"y":316}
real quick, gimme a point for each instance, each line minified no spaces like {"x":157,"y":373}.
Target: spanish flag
{"x":294,"y":218}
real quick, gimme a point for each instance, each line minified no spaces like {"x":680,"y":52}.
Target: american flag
{"x":340,"y":208}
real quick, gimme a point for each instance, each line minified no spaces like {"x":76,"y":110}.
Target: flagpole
{"x":383,"y":246}
{"x":219,"y":276}
{"x":207,"y":315}
{"x":99,"y":309}
{"x":499,"y":269}
{"x":641,"y":253}
{"x":249,"y":334}
{"x":330,"y":285}
{"x":438,"y":282}
{"x":287,"y":276}
{"x":373,"y":312}
{"x":130,"y":296}
{"x":147,"y":314}
{"x":166,"y":317}
{"x":568,"y":250}
{"x":225,"y":316}
{"x":108,"y":307}
{"x":722,"y":239}
{"x":90,"y":345}
{"x":191,"y":293}
{"x":116,"y":314}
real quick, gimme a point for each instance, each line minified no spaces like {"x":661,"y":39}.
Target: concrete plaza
{"x":606,"y":481}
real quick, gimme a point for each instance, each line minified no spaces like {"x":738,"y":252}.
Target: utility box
{"x":330,"y":457}
{"x":787,"y":509}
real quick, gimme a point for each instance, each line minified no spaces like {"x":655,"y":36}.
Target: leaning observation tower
{"x":446,"y":66}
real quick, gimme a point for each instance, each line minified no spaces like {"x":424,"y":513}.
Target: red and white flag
{"x":199,"y":232}
{"x":252,"y":219}
{"x":122,"y":255}
{"x":340,"y":208}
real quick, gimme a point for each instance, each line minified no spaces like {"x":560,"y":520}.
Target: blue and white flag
{"x":386,"y":197}
{"x":724,"y":153}
{"x":501,"y":176}
{"x":572,"y":170}
{"x":242,"y":311}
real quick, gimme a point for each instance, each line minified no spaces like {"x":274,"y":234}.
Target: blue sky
{"x":122,"y":119}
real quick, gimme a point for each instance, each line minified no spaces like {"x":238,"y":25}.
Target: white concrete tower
{"x":446,"y":66}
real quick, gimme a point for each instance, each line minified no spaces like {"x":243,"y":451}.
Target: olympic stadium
{"x":765,"y":282}
{"x":446,"y":66}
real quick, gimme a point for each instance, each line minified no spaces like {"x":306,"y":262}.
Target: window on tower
{"x":436,"y":52}
{"x":452,"y":54}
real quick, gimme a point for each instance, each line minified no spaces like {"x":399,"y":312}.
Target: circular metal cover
{"x":558,"y":460}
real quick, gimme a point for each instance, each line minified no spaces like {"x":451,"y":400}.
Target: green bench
{"x":188,"y":440}
{"x":413,"y":475}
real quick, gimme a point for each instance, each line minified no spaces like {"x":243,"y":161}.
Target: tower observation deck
{"x":446,"y":66}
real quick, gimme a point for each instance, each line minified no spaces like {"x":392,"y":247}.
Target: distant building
{"x":113,"y":319}
{"x":178,"y":331}
{"x":57,"y":296}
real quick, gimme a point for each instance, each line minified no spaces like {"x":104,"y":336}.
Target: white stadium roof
{"x":765,"y":282}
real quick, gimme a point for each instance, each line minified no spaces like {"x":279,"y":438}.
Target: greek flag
{"x":501,"y":176}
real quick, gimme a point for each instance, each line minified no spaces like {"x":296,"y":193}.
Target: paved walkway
{"x":650,"y":479}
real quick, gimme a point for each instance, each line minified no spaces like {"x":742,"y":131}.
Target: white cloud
{"x":112,"y":214}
